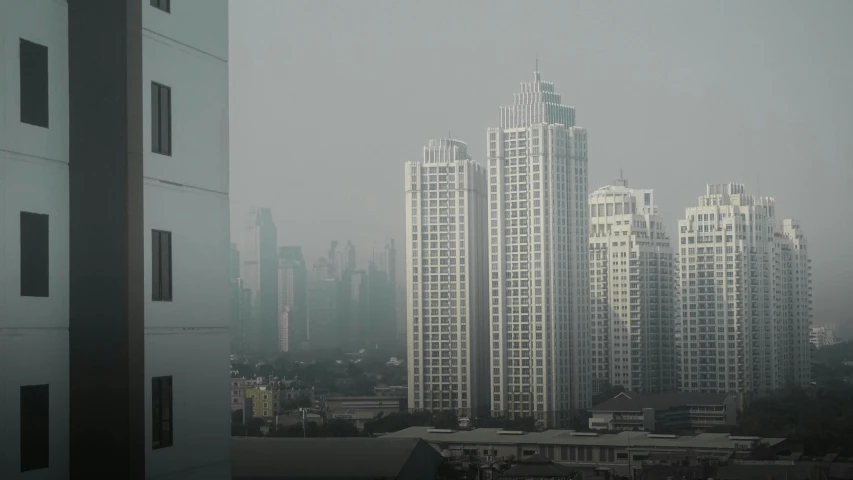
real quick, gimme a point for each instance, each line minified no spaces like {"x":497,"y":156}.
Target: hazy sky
{"x":330,"y":98}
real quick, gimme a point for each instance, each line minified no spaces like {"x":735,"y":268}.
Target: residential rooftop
{"x":497,"y":436}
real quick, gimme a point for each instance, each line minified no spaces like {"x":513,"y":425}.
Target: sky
{"x":329,"y":99}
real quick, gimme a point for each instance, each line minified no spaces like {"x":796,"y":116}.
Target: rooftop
{"x":326,"y":458}
{"x":497,"y":436}
{"x":632,"y":401}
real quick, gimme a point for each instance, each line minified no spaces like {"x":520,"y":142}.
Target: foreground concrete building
{"x":114,"y":239}
{"x":446,"y":275}
{"x":745,"y":285}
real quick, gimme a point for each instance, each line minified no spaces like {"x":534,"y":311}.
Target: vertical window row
{"x":161,"y":266}
{"x":161,"y":412}
{"x":165,"y":5}
{"x":35,"y":255}
{"x":161,"y":119}
{"x":34,"y":84}
{"x":35,"y":427}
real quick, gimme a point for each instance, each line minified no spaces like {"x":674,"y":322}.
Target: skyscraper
{"x":292,"y":285}
{"x":446,"y":275}
{"x":539,"y":269}
{"x":745,"y":295}
{"x":259,"y":271}
{"x":114,"y":318}
{"x":632,"y":291}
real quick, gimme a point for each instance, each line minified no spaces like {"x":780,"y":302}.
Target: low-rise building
{"x":823,"y":336}
{"x":238,"y":388}
{"x":617,"y":452}
{"x":360,"y":410}
{"x":391,"y":391}
{"x":333,"y":458}
{"x":269,"y":397}
{"x":664,"y":411}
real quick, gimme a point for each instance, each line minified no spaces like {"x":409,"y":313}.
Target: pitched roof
{"x":327,"y":458}
{"x":632,"y":401}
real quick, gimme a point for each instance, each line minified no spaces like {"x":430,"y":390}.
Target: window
{"x":35,"y":255}
{"x":34,"y":94}
{"x":161,"y":412}
{"x":161,"y":266}
{"x":164,"y":5}
{"x":35,"y":427}
{"x":161,"y":119}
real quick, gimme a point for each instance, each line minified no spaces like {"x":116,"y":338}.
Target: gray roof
{"x":634,"y":402}
{"x":327,"y":458}
{"x":490,"y":436}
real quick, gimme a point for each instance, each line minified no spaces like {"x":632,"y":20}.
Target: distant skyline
{"x":330,"y":99}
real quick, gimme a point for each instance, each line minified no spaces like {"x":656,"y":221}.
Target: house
{"x":672,"y":410}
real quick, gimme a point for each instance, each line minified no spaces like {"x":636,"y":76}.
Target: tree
{"x":446,"y":419}
{"x":237,"y":416}
{"x":759,"y":450}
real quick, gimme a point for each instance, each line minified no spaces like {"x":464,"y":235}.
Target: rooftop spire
{"x":536,"y":72}
{"x":621,"y":181}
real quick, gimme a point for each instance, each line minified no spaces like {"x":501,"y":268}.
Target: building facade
{"x":446,"y":274}
{"x":632,"y":288}
{"x":259,"y":270}
{"x":114,"y":239}
{"x":745,"y":285}
{"x":539,"y":268}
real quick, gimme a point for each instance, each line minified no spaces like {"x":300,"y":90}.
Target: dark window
{"x":35,"y":255}
{"x":164,"y":5}
{"x":35,"y":427}
{"x":161,"y":265}
{"x":161,"y":119}
{"x":34,"y":105}
{"x":161,"y":411}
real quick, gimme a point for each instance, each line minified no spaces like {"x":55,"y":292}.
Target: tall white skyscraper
{"x":745,"y":295}
{"x":632,"y":287}
{"x":539,"y":268}
{"x":446,"y":275}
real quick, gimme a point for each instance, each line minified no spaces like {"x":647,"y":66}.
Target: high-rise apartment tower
{"x":745,"y":285}
{"x":539,"y":268}
{"x":446,"y":275}
{"x":632,"y":291}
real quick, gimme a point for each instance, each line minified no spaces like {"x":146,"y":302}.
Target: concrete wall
{"x":33,"y":178}
{"x":189,"y":337}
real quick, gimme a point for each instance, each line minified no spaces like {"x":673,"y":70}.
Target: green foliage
{"x":393,"y":422}
{"x":332,"y":428}
{"x":446,"y":419}
{"x":607,"y":393}
{"x":237,"y":416}
{"x":819,"y":419}
{"x":301,"y":401}
{"x":524,"y":424}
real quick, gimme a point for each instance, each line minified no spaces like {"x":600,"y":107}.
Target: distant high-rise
{"x":446,"y":276}
{"x":539,"y":266}
{"x":292,"y":307}
{"x":745,"y":290}
{"x":823,"y":336}
{"x":632,"y":291}
{"x":259,"y":272}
